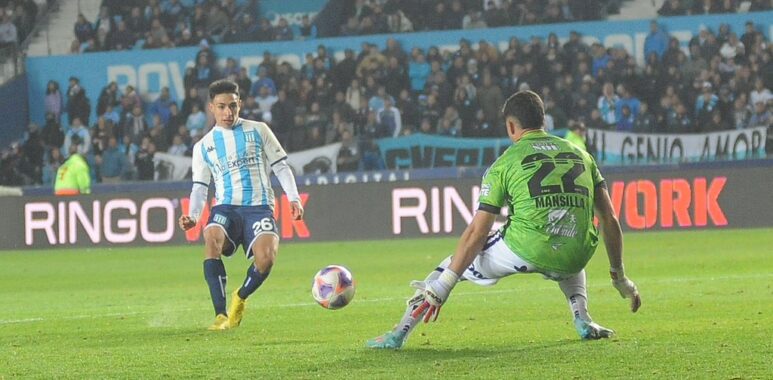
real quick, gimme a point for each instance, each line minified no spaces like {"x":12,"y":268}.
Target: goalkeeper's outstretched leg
{"x":576,"y":294}
{"x":396,"y":338}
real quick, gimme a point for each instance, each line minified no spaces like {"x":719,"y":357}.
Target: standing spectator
{"x":130,"y":99}
{"x":135,"y":127}
{"x":162,"y":106}
{"x":146,"y":168}
{"x":625,"y":121}
{"x":655,"y":42}
{"x":283,"y":32}
{"x":626,"y":99}
{"x":450,"y":124}
{"x":759,"y":94}
{"x":355,"y":95}
{"x":678,"y":120}
{"x":389,"y":118}
{"x":263,"y":81}
{"x":348,"y":159}
{"x":645,"y":121}
{"x":607,"y":104}
{"x":705,"y":103}
{"x":113,"y":162}
{"x":308,"y":31}
{"x":490,"y":100}
{"x":108,"y":97}
{"x":418,"y":70}
{"x":52,"y":134}
{"x":135,"y":23}
{"x":266,"y":99}
{"x":77,"y":137}
{"x":78,"y":105}
{"x":197,"y":121}
{"x":83,"y":29}
{"x":54,"y":101}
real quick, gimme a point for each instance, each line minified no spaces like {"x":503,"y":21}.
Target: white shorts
{"x":497,"y":261}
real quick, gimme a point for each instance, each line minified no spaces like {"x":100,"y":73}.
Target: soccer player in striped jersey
{"x":237,"y":154}
{"x":553,"y":189}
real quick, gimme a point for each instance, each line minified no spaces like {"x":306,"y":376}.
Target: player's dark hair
{"x":223,"y":86}
{"x":527,"y":108}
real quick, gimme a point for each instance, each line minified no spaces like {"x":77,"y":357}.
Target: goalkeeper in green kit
{"x":551,"y":188}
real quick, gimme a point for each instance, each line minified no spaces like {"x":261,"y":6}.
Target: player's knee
{"x":264,"y":256}
{"x":214,"y":240}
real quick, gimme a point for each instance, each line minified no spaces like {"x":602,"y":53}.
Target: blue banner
{"x":292,"y":11}
{"x":150,"y":70}
{"x":428,"y":151}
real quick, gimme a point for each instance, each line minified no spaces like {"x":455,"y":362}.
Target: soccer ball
{"x":333,"y":287}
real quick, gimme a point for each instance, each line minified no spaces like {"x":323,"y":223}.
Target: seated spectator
{"x":283,"y":32}
{"x":113,"y":163}
{"x":761,"y":117}
{"x":308,"y":31}
{"x":178,"y":147}
{"x":450,"y":124}
{"x":83,"y":29}
{"x":348,"y":158}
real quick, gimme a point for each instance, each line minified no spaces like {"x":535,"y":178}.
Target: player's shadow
{"x":419,"y":354}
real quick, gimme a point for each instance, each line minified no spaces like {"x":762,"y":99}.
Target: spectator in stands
{"x":135,"y":126}
{"x":626,"y":119}
{"x":78,"y":104}
{"x":77,"y":136}
{"x":760,"y":94}
{"x":51,"y":165}
{"x":490,"y":99}
{"x":196,"y":122}
{"x":54,"y":101}
{"x":178,"y":147}
{"x":626,"y":99}
{"x":144,"y":160}
{"x":678,"y":120}
{"x":450,"y":124}
{"x":52,"y":134}
{"x":162,"y":106}
{"x":348,"y":158}
{"x":672,"y":8}
{"x":761,"y":116}
{"x":263,"y":81}
{"x":283,"y":31}
{"x":113,"y":162}
{"x":108,"y":97}
{"x":390,"y":119}
{"x":130,"y":99}
{"x":607,"y":104}
{"x":656,"y":41}
{"x":307,"y":30}
{"x":645,"y":121}
{"x":705,"y":103}
{"x":83,"y":29}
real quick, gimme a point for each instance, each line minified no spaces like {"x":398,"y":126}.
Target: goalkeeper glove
{"x":626,"y":287}
{"x":433,"y":294}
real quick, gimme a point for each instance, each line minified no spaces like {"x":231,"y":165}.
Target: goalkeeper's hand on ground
{"x":433,"y":294}
{"x":626,"y":287}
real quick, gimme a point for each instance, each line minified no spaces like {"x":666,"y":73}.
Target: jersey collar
{"x":533,"y":134}
{"x":237,"y":123}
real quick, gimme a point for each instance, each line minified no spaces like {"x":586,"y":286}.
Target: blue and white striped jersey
{"x":239,"y":161}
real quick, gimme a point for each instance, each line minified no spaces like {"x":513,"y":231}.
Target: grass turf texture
{"x":143,"y":313}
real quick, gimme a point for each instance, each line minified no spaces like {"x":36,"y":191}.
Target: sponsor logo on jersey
{"x":544,"y":146}
{"x":485,"y":190}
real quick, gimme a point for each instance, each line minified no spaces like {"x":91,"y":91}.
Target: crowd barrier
{"x":151,"y":70}
{"x":664,"y":198}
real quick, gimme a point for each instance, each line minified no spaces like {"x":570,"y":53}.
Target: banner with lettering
{"x":429,"y":151}
{"x":617,"y":148}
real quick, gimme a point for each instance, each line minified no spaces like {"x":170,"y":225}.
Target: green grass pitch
{"x":142,"y":313}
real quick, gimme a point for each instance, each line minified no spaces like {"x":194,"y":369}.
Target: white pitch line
{"x":371,"y":300}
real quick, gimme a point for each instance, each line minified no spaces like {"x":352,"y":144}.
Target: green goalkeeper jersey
{"x":548,"y":185}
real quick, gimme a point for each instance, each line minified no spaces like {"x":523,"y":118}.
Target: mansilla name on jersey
{"x":559,"y":200}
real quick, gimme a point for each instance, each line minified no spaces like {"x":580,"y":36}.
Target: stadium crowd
{"x":17,"y":19}
{"x":155,"y":24}
{"x":721,"y":83}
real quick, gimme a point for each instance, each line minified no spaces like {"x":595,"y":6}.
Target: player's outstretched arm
{"x":436,"y":292}
{"x":613,"y":241}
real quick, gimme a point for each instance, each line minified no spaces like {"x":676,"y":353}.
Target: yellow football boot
{"x":221,"y":323}
{"x":236,"y":311}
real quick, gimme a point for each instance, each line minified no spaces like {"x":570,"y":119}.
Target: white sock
{"x":577,"y":296}
{"x":408,"y":322}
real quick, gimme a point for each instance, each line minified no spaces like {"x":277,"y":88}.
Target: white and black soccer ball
{"x":333,"y":287}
